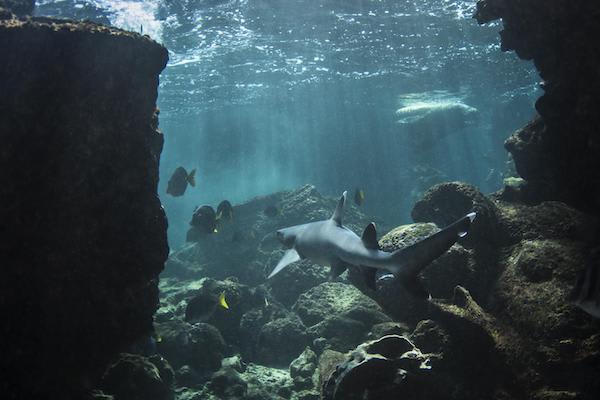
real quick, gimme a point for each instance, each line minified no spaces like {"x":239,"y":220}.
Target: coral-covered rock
{"x":81,"y":221}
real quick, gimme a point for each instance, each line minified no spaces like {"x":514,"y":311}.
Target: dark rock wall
{"x":558,"y":154}
{"x":83,"y":231}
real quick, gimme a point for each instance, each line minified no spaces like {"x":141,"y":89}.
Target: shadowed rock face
{"x":18,"y":7}
{"x":84,"y":234}
{"x":559,"y":154}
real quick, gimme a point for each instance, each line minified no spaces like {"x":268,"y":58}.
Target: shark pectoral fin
{"x":336,"y":270}
{"x":339,"y":210}
{"x":413,"y":259}
{"x":369,"y":276}
{"x":369,"y":237}
{"x":290,"y":256}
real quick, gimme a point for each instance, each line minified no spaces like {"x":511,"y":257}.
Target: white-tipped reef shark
{"x":330,"y":243}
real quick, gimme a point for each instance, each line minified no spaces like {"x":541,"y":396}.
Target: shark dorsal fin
{"x":339,"y":210}
{"x":369,"y":237}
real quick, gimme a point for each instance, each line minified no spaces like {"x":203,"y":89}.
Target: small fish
{"x":179,"y":181}
{"x":205,"y":219}
{"x":271,"y":211}
{"x":222,"y":301}
{"x":224,"y":211}
{"x":202,"y":307}
{"x":586,"y":293}
{"x":359,"y":197}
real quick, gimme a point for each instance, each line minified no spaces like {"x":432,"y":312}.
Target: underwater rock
{"x":302,"y":370}
{"x":533,"y":293}
{"x":136,"y":377}
{"x":267,"y":383}
{"x":469,"y":342}
{"x":547,"y":220}
{"x":388,"y":368}
{"x":228,"y":383}
{"x":84,"y":228}
{"x":330,"y":299}
{"x":328,"y":362}
{"x":446,"y":202}
{"x":558,"y":154}
{"x":335,"y":307}
{"x":199,"y":346}
{"x":275,"y":347}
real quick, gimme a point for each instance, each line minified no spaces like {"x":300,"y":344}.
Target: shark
{"x":330,"y":243}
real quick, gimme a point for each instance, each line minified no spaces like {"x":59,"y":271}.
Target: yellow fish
{"x":222,"y":301}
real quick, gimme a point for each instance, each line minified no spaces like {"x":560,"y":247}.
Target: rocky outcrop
{"x":559,"y":153}
{"x":136,"y":377}
{"x":382,"y":369}
{"x":84,"y":234}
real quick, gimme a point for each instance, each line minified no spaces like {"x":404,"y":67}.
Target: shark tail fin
{"x":411,"y":260}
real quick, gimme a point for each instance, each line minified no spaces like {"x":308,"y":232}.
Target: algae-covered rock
{"x":267,"y":383}
{"x":331,"y":298}
{"x":332,"y":308}
{"x":281,"y":340}
{"x":302,"y":369}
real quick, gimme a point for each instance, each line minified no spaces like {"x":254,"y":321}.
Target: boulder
{"x":382,"y":369}
{"x":199,"y":346}
{"x":134,"y":377}
{"x":274,"y":346}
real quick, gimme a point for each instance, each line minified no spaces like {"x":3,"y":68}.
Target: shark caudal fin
{"x":413,"y":259}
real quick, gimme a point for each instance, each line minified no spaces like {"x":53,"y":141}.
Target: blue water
{"x":266,"y":95}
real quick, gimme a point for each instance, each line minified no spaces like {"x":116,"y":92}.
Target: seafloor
{"x":86,"y":315}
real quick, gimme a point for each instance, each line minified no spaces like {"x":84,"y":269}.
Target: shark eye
{"x":280,"y":236}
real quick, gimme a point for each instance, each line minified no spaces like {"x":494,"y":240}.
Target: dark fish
{"x":202,"y":307}
{"x":359,"y":197}
{"x":205,"y":219}
{"x":179,"y":181}
{"x":224,"y":211}
{"x":271,"y":211}
{"x":586,"y":293}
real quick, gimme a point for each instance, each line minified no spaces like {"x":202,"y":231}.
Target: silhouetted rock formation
{"x":17,"y":7}
{"x":83,"y":231}
{"x":559,"y":153}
